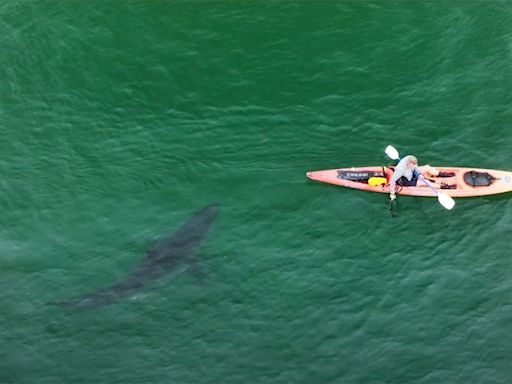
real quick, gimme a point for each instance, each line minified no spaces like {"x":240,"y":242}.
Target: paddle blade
{"x":445,"y":200}
{"x":392,"y":152}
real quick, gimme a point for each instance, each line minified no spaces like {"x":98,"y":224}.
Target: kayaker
{"x":406,"y":174}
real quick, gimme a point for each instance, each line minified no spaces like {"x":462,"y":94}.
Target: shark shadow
{"x":164,"y":258}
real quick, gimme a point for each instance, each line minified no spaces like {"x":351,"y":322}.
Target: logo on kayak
{"x":507,"y":179}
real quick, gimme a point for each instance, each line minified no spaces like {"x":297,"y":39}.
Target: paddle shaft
{"x":427,"y":183}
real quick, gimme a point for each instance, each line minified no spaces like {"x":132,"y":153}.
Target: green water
{"x":119,"y":119}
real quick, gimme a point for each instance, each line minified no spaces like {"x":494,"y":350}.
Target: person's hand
{"x":392,"y":196}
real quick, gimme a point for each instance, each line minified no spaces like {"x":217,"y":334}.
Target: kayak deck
{"x":466,"y":182}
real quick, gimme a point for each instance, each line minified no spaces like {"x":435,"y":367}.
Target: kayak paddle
{"x":445,"y":200}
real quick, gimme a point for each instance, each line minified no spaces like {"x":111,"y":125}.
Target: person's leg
{"x":427,"y":170}
{"x":416,"y":182}
{"x":433,"y":184}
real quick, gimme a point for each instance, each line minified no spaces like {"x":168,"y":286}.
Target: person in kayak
{"x":407,"y":172}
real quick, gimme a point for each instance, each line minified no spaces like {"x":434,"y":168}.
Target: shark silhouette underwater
{"x":161,"y":260}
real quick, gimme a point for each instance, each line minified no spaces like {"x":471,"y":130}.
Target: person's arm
{"x":399,"y":171}
{"x":392,"y":185}
{"x":397,"y":174}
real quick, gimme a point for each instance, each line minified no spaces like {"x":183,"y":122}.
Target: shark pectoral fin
{"x":198,"y":270}
{"x":151,"y":254}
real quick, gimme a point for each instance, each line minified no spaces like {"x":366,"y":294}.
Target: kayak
{"x":456,"y":181}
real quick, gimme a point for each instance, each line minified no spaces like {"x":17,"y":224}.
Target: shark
{"x":165,"y":257}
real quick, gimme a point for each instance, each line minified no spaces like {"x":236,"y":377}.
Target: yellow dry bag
{"x":377,"y":181}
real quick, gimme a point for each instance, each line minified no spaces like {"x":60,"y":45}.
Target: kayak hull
{"x":502,"y":181}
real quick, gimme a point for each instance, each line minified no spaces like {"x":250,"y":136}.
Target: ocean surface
{"x":120,"y":119}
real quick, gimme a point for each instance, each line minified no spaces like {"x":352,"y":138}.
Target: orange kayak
{"x":464,"y":182}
